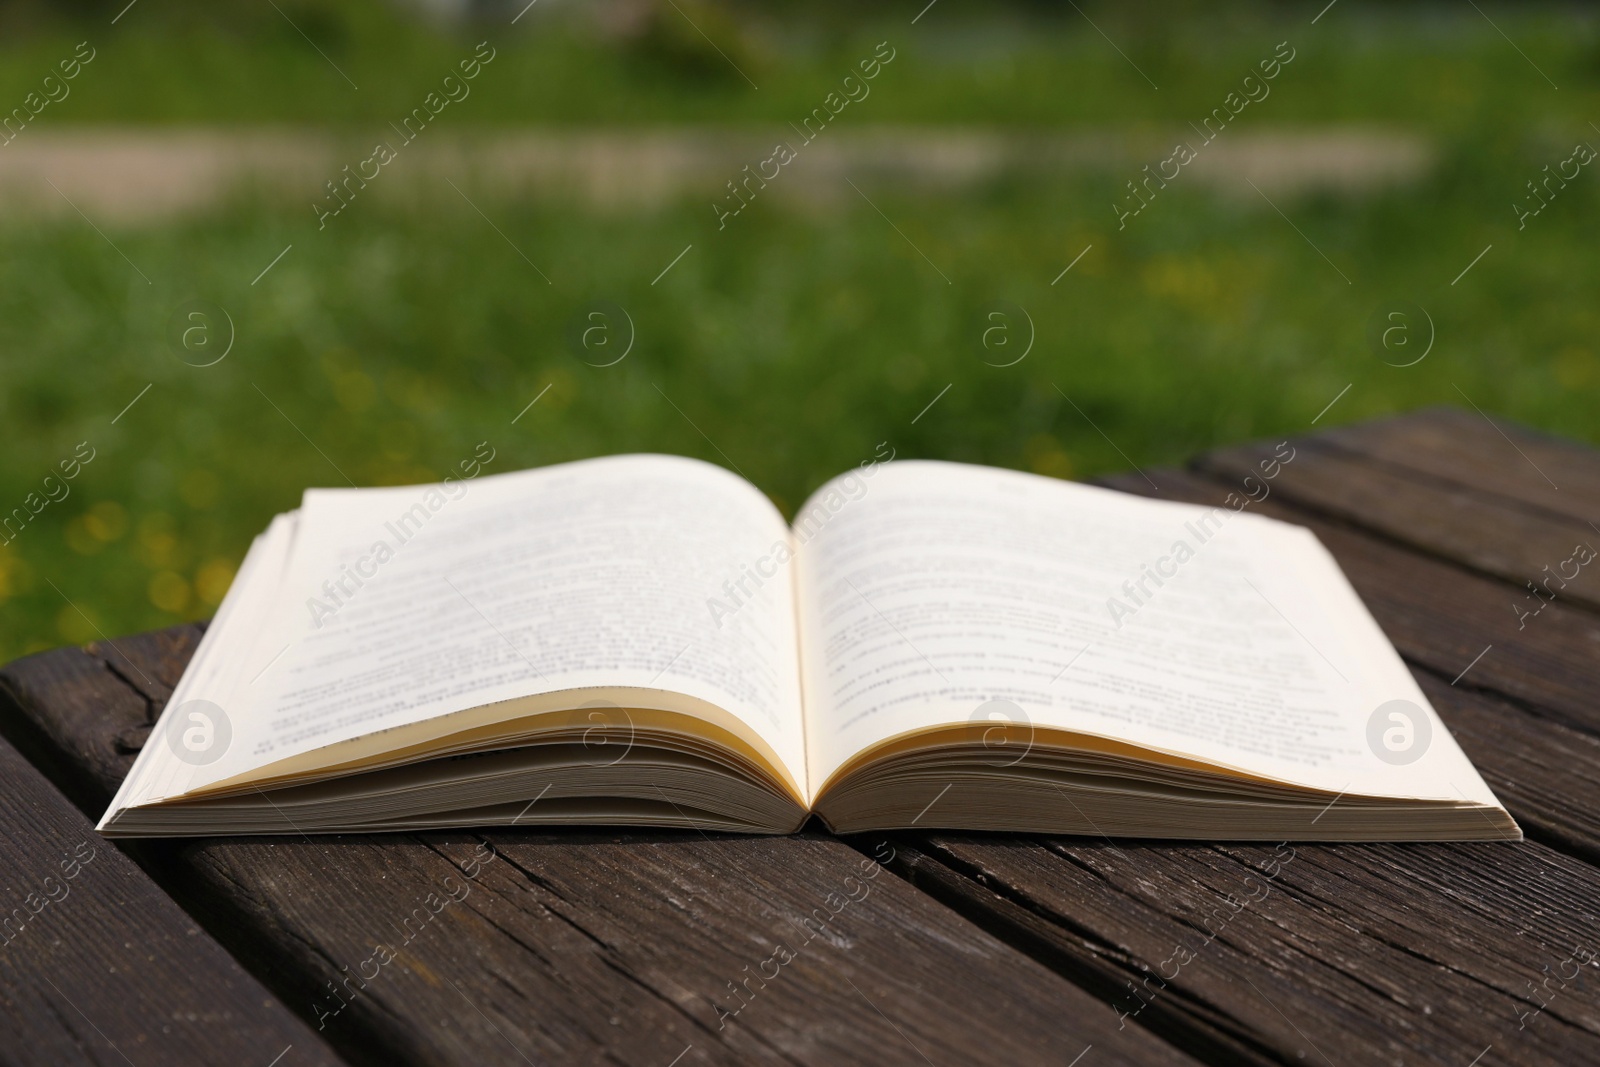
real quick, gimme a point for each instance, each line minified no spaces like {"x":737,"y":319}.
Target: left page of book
{"x":597,"y":583}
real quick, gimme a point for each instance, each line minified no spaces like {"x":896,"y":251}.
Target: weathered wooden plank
{"x":1501,"y":537}
{"x":104,"y":706}
{"x":1499,"y":456}
{"x":1347,"y":954}
{"x":580,"y":947}
{"x":98,"y":966}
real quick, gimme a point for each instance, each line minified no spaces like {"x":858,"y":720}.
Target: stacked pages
{"x":643,"y":640}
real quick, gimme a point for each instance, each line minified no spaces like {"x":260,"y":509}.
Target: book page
{"x":193,"y":725}
{"x":399,"y":605}
{"x":948,"y":594}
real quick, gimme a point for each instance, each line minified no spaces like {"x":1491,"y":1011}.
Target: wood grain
{"x":582,"y":947}
{"x":98,"y":966}
{"x":1501,"y":537}
{"x":1485,"y":452}
{"x":103,"y":706}
{"x":1351,"y":954}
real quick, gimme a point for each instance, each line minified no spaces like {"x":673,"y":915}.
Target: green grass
{"x":796,"y":340}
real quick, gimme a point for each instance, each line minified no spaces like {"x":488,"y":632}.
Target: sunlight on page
{"x":948,"y":586}
{"x":399,"y":605}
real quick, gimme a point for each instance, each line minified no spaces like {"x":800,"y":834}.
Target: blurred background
{"x":230,"y":268}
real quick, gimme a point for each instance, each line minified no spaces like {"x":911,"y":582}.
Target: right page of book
{"x":936,"y":594}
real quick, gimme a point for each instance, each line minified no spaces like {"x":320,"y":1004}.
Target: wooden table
{"x":653,"y":949}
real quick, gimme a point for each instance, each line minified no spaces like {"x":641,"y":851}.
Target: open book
{"x":642,"y":640}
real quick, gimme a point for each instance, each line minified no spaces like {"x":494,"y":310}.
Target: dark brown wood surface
{"x":623,"y":947}
{"x":1470,"y":448}
{"x":1394,"y":490}
{"x":99,"y":966}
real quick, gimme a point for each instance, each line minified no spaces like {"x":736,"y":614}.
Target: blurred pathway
{"x":133,"y":174}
